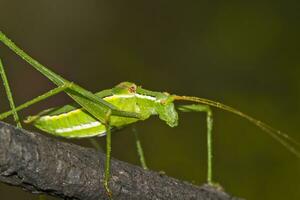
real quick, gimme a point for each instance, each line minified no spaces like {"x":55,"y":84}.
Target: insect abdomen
{"x":76,"y":123}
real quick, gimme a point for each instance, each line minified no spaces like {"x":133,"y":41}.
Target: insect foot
{"x":215,"y":185}
{"x":108,"y":191}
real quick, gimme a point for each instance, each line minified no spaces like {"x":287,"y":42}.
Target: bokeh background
{"x":245,"y":54}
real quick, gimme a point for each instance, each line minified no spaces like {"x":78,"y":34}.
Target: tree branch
{"x":41,"y":164}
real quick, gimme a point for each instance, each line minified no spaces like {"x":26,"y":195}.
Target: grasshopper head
{"x":125,"y":88}
{"x":166,"y":109}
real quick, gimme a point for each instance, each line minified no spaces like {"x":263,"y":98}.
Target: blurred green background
{"x":245,"y":54}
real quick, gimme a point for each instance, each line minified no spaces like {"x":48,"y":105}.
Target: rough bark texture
{"x":41,"y":164}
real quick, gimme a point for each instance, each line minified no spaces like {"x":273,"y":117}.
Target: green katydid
{"x":124,"y":104}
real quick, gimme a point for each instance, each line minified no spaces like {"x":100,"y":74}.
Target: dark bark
{"x":41,"y":164}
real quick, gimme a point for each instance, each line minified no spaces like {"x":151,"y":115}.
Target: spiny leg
{"x":209,"y":121}
{"x":139,"y":148}
{"x":9,"y":95}
{"x":37,"y":99}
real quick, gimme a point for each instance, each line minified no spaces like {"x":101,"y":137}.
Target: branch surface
{"x":41,"y":164}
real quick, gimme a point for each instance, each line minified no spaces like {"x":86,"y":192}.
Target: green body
{"x":96,"y":114}
{"x":72,"y":121}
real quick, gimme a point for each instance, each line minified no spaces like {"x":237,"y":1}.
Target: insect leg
{"x":139,"y":148}
{"x":108,"y":153}
{"x":9,"y":95}
{"x":209,"y":121}
{"x":36,"y":100}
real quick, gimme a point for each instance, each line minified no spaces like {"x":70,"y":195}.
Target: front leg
{"x":209,"y":121}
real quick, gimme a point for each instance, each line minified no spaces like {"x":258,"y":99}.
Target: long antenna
{"x":278,"y":135}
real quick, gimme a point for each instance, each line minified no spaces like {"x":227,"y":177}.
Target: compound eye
{"x":132,"y":89}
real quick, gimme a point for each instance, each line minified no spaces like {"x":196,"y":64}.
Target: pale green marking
{"x":79,"y":127}
{"x":60,"y":116}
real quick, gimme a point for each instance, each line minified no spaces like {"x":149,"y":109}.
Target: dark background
{"x":240,"y":53}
